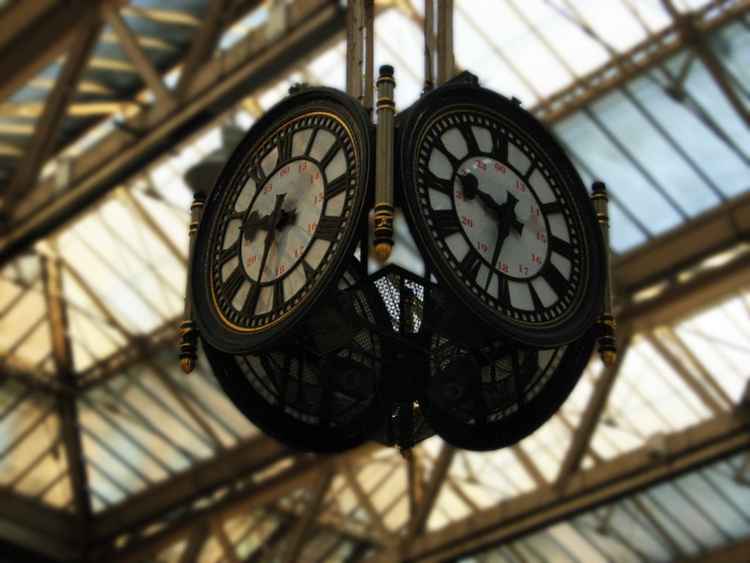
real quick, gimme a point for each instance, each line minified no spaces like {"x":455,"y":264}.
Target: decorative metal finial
{"x":606,"y":324}
{"x":188,"y":330}
{"x":386,"y":108}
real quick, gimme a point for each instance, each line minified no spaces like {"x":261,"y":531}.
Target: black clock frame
{"x":463,"y":95}
{"x":215,"y":329}
{"x":461,"y":410}
{"x":272,"y":399}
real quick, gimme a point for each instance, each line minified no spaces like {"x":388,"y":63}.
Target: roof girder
{"x":117,"y":157}
{"x":218,"y":85}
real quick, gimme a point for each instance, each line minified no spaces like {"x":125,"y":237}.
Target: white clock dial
{"x":286,"y":217}
{"x":524,"y":250}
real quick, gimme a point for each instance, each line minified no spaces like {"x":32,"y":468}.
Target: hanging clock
{"x":502,"y":214}
{"x":281,"y":220}
{"x":322,"y":391}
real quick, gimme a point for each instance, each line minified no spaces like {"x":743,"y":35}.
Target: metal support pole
{"x":383,"y":239}
{"x":606,"y":325}
{"x":188,"y":330}
{"x":360,"y":41}
{"x":429,"y":45}
{"x":445,"y":65}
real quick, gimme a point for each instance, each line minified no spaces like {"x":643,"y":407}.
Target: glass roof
{"x":667,"y":143}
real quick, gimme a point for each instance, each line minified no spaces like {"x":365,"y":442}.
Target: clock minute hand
{"x":274,"y":219}
{"x":503,"y":229}
{"x":254,"y":223}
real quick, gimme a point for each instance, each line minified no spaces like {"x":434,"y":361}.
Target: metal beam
{"x":590,"y":418}
{"x":182,"y":489}
{"x":725,"y":554}
{"x":678,"y":300}
{"x":134,"y":51}
{"x":645,"y":56}
{"x":621,"y":476}
{"x":304,"y":473}
{"x":118,"y":156}
{"x":48,"y":125}
{"x":365,"y":501}
{"x":683,"y":247}
{"x":687,"y":376}
{"x":431,"y":491}
{"x":37,"y":527}
{"x":195,"y":544}
{"x":270,"y":544}
{"x":39,"y":40}
{"x":144,"y":215}
{"x":248,"y":67}
{"x":674,"y":547}
{"x":301,"y":531}
{"x":528,"y":465}
{"x":62,"y":354}
{"x":691,"y":35}
{"x":203,"y":44}
{"x":230,"y":554}
{"x":15,"y":18}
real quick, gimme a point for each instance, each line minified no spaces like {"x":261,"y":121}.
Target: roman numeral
{"x":336,"y":187}
{"x":328,"y":228}
{"x":329,"y":156}
{"x":439,"y":145}
{"x":233,"y":282}
{"x":310,"y":142}
{"x":278,"y":295}
{"x":551,"y":208}
{"x":228,"y":253}
{"x":309,"y":270}
{"x":499,"y":145}
{"x":285,"y":147}
{"x":561,"y":247}
{"x":439,"y":184}
{"x":470,"y":265}
{"x":471,"y":141}
{"x":538,"y":306}
{"x":446,"y":222}
{"x":251,"y":301}
{"x":257,"y":174}
{"x":503,"y":290}
{"x":555,"y":279}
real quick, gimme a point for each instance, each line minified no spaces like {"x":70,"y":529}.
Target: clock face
{"x":279,"y":223}
{"x":505,"y":219}
{"x":494,"y":396}
{"x":313,"y":397}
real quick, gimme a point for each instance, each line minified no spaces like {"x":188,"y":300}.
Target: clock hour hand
{"x":470,"y":184}
{"x":499,"y":209}
{"x":253,"y":224}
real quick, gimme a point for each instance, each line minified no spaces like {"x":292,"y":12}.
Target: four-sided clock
{"x":281,"y":220}
{"x":502,"y":220}
{"x":502,"y":215}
